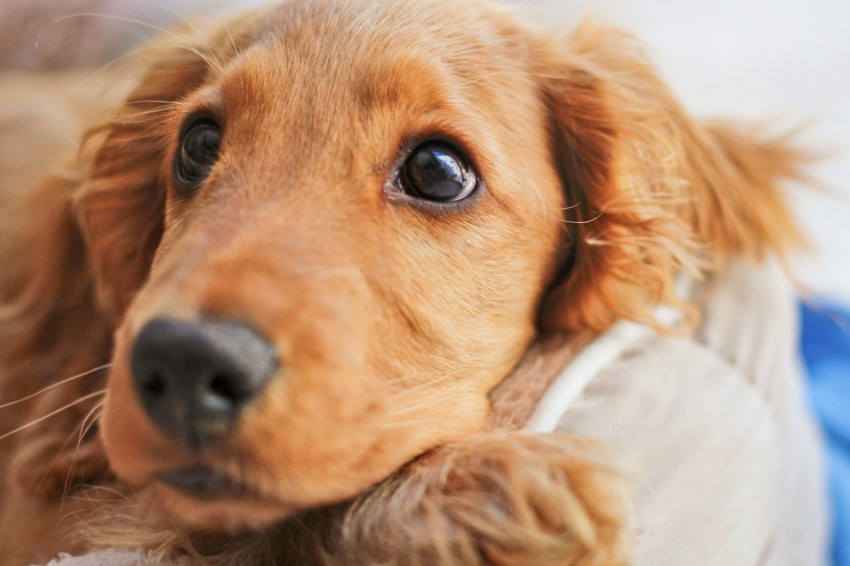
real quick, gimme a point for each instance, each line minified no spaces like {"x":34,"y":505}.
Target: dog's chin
{"x":201,"y":500}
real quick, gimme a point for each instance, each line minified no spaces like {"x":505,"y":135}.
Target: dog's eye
{"x":438,"y":171}
{"x":198,"y":151}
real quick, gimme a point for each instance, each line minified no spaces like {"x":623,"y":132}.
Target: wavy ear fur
{"x":76,"y":250}
{"x":651,"y":193}
{"x":120,"y":207}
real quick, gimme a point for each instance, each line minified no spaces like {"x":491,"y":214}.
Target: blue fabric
{"x":826,"y":352}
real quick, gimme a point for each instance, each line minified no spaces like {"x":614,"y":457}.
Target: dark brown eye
{"x":198,"y":152}
{"x":438,"y":171}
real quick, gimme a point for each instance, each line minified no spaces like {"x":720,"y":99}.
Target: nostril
{"x":152,"y":384}
{"x":225,"y":387}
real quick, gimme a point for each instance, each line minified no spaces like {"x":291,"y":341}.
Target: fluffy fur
{"x":396,"y":321}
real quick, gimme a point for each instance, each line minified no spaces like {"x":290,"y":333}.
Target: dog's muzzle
{"x":194,"y":378}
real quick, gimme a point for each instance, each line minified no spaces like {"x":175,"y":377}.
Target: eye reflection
{"x":438,"y":171}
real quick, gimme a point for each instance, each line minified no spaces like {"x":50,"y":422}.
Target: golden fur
{"x":379,"y":442}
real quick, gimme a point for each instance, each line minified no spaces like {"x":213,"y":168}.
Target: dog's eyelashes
{"x":438,"y":171}
{"x":199,"y":146}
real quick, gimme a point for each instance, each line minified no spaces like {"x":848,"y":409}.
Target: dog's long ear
{"x":90,"y":235}
{"x":120,"y":204}
{"x":650,"y":194}
{"x":78,"y":246}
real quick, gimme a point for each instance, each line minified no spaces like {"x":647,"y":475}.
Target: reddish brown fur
{"x":395,"y":321}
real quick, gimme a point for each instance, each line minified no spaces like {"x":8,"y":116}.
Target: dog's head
{"x":342,"y":223}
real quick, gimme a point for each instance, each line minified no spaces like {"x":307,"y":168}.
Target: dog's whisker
{"x":105,"y":16}
{"x":434,"y":401}
{"x":94,"y":74}
{"x":148,"y":133}
{"x":106,"y":66}
{"x":82,"y":399}
{"x":539,"y":194}
{"x":55,"y":385}
{"x":164,"y":103}
{"x":86,"y":425}
{"x":592,"y":220}
{"x":75,"y":15}
{"x":134,"y":53}
{"x":130,"y":118}
{"x":66,"y":487}
{"x":569,"y":207}
{"x":188,"y":24}
{"x":230,"y":36}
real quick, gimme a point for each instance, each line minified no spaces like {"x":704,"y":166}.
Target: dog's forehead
{"x":350,"y":26}
{"x":328,"y":83}
{"x":378,"y":52}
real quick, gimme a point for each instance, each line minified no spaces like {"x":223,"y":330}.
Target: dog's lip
{"x":201,"y":482}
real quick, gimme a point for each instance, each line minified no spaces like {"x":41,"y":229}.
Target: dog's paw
{"x":505,"y":498}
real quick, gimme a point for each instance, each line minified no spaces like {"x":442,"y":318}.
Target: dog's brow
{"x":407,"y":80}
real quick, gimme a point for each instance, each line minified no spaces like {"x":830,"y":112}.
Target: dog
{"x":299,"y":258}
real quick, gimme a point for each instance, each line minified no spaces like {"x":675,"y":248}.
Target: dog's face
{"x":329,"y":229}
{"x":361,"y":213}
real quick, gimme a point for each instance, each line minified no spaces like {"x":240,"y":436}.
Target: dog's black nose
{"x":193,"y":378}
